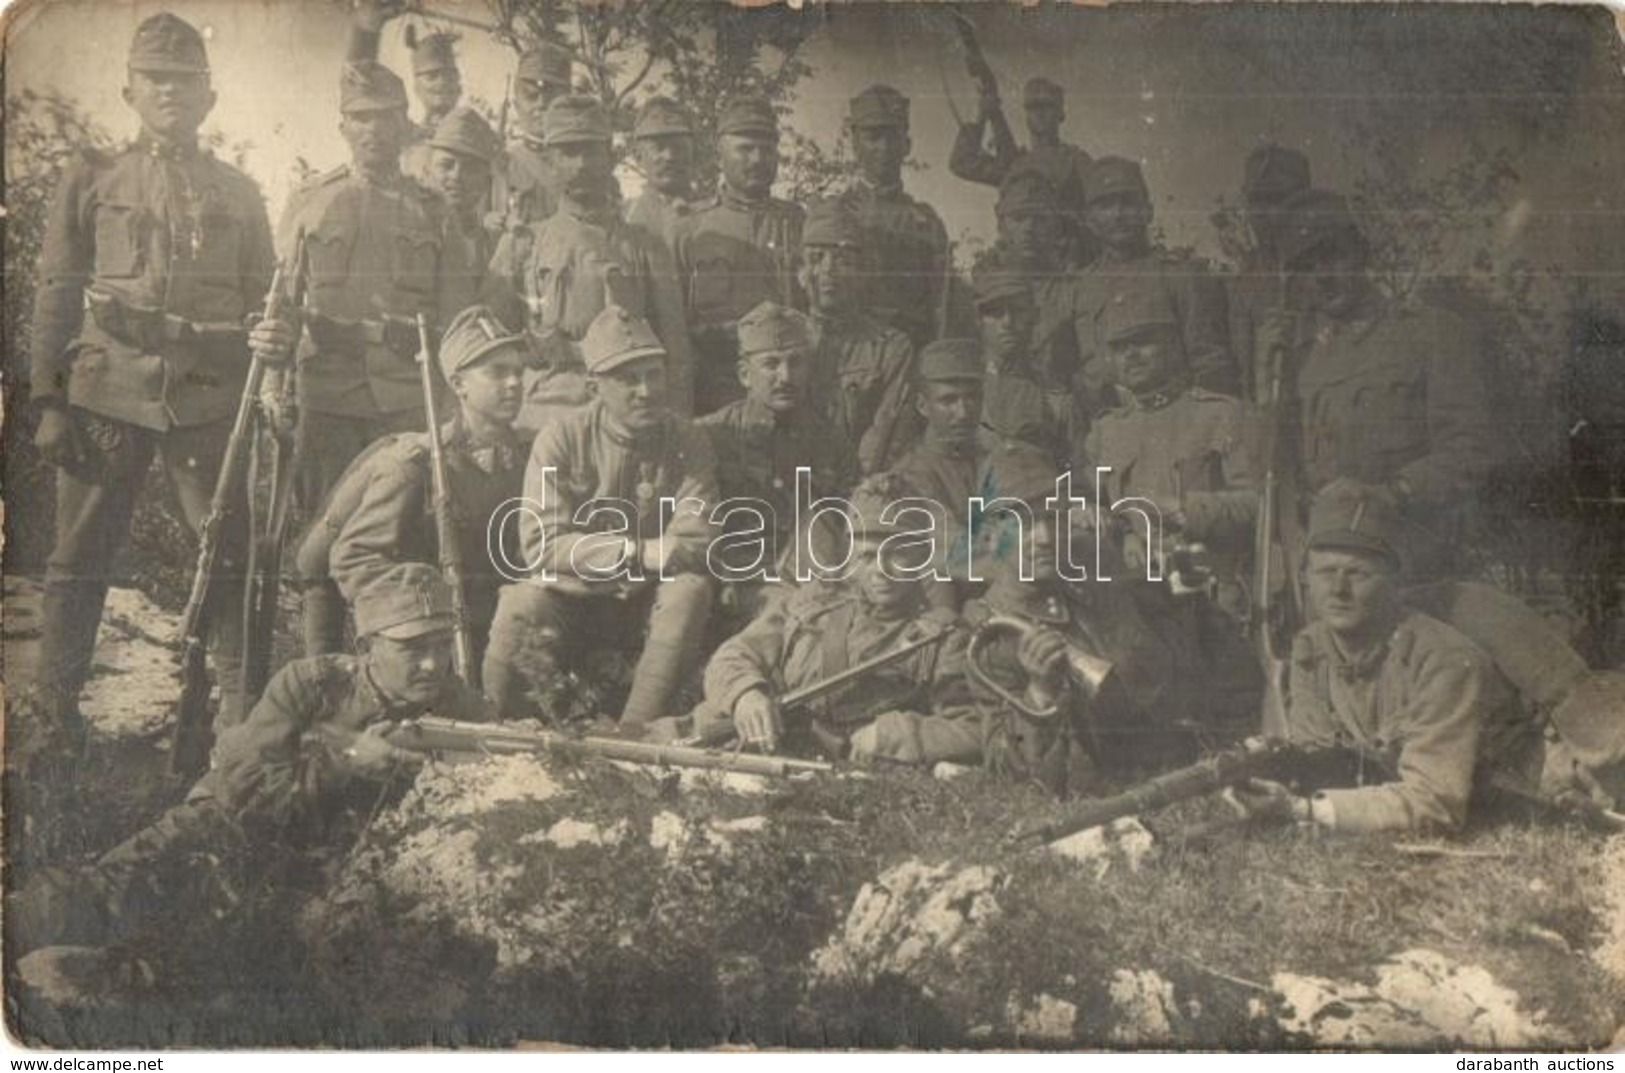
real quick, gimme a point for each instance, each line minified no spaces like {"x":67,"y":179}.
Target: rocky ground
{"x":593,"y":903}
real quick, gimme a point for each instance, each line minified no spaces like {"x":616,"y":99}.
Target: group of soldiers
{"x":597,"y":357}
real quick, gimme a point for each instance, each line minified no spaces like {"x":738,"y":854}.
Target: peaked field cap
{"x":951,"y":359}
{"x":166,"y":42}
{"x":366,"y":86}
{"x":878,"y":106}
{"x":618,"y":337}
{"x":406,"y":601}
{"x":831,"y":223}
{"x":1113,"y":175}
{"x":748,"y":115}
{"x":660,"y":116}
{"x":463,"y":130}
{"x":994,"y":282}
{"x":771,"y":328}
{"x":1275,"y":171}
{"x":1136,"y":306}
{"x":1041,"y":91}
{"x":434,"y":52}
{"x":575,"y":118}
{"x":547,"y":62}
{"x":1345,"y":516}
{"x":1021,"y":471}
{"x":474,"y":333}
{"x":869,"y":503}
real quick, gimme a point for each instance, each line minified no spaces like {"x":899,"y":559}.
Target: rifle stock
{"x":435,"y":736}
{"x":451,"y":558}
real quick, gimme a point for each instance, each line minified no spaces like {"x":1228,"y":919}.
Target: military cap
{"x":406,"y":601}
{"x":1041,"y":91}
{"x":1315,"y":217}
{"x":1274,"y":171}
{"x":773,"y":329}
{"x":830,"y":223}
{"x":465,"y":131}
{"x":993,"y":282}
{"x":432,"y":52}
{"x":1349,"y":516}
{"x":166,"y":42}
{"x":366,"y":86}
{"x":1113,"y":175}
{"x":748,"y":115}
{"x":951,"y":359}
{"x":868,"y":505}
{"x":575,"y":118}
{"x":474,"y":333}
{"x":1018,"y":470}
{"x":618,"y":337}
{"x":878,"y":106}
{"x":546,"y":62}
{"x":1140,"y":305}
{"x":1026,"y":193}
{"x":662,"y":115}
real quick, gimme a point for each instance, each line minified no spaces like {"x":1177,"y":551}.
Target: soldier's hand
{"x":1042,"y":655}
{"x":272,"y":341}
{"x":371,"y":15}
{"x":1276,"y":333}
{"x":1261,"y":800}
{"x":1569,"y":783}
{"x":371,"y":752}
{"x":57,"y":438}
{"x":756,"y":719}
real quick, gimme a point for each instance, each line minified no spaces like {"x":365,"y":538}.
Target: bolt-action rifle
{"x":451,"y":554}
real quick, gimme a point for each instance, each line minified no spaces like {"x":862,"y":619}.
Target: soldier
{"x":1061,"y":165}
{"x":377,"y":257}
{"x":914,"y":711}
{"x":558,"y":274}
{"x":862,"y":371}
{"x":597,"y":582}
{"x":1372,"y":673}
{"x":1272,"y":175}
{"x":663,"y":143}
{"x":435,"y":79}
{"x":737,"y":250}
{"x":1186,"y":451}
{"x":1119,"y":212}
{"x":761,"y":440}
{"x":312,"y":759}
{"x":1391,"y":397}
{"x":1045,"y":715}
{"x":910,"y":244}
{"x":1018,"y":402}
{"x":1030,"y":245}
{"x":461,"y":152}
{"x":153,"y":257}
{"x":525,"y":195}
{"x":383,"y":511}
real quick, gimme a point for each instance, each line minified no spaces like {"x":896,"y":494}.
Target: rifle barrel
{"x":451,"y":564}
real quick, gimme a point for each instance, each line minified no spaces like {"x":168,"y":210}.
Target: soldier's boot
{"x":676,"y":626}
{"x":321,"y":613}
{"x":226,"y":646}
{"x":71,"y":614}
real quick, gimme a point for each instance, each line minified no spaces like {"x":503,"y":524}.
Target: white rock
{"x":1126,"y":841}
{"x":1144,"y":1003}
{"x":947,"y":770}
{"x":911,"y":911}
{"x":1610,"y":953}
{"x":1047,"y":1020}
{"x":569,"y":832}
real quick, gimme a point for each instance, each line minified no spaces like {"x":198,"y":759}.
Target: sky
{"x":1187,"y":90}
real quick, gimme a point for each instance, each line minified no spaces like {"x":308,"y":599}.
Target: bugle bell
{"x":1087,"y":671}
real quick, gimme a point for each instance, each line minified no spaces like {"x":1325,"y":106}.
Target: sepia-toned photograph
{"x":899,"y":526}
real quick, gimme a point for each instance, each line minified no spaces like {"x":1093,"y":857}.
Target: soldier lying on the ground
{"x":313,"y":749}
{"x":913,"y":711}
{"x":382,"y":511}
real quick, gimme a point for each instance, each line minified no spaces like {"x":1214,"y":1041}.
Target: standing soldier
{"x":862,"y":371}
{"x":377,"y":258}
{"x":1031,"y":245}
{"x":1272,"y":175}
{"x":1119,"y":214}
{"x":564,"y":270}
{"x":435,"y":78}
{"x":598,"y":582}
{"x":1019,"y":402}
{"x":910,"y":244}
{"x":153,"y":257}
{"x":737,"y":250}
{"x":383,"y":511}
{"x":663,"y":142}
{"x":462,"y":150}
{"x":1390,"y":397}
{"x":526,"y":194}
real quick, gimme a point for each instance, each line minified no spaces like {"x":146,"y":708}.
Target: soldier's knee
{"x":686,"y":597}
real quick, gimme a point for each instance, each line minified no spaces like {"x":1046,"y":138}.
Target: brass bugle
{"x":1087,"y":671}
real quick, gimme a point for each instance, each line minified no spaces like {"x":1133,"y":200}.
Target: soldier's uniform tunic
{"x":919,"y":705}
{"x":152,"y":259}
{"x":732,"y":254}
{"x":863,"y":374}
{"x":658,"y":214}
{"x":911,"y":257}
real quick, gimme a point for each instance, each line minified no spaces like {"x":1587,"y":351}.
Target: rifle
{"x":981,"y":72}
{"x":189,"y":754}
{"x":1304,"y":769}
{"x":435,"y":737}
{"x":945,"y":291}
{"x":264,"y":568}
{"x":451,"y":555}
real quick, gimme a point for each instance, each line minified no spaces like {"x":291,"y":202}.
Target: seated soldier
{"x":1371,"y":672}
{"x":313,"y":753}
{"x":1019,"y":402}
{"x":913,"y":711}
{"x":761,"y":440}
{"x":1183,"y":449}
{"x":1070,"y":681}
{"x":606,"y":559}
{"x":382,"y":510}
